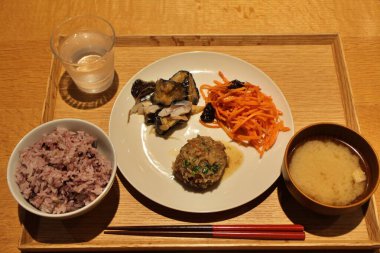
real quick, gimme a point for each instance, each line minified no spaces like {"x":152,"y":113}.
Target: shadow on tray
{"x":194,"y":217}
{"x":74,"y":230}
{"x":81,"y":100}
{"x":321,"y":225}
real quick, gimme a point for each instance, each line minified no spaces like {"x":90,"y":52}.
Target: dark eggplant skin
{"x":187,"y":80}
{"x":141,"y":89}
{"x":150,"y":118}
{"x":167,"y":91}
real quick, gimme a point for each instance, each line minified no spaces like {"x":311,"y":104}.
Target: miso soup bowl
{"x":351,"y":138}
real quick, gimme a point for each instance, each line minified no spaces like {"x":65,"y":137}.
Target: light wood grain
{"x":26,"y":58}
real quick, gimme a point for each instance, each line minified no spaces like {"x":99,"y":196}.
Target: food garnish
{"x":247,"y":115}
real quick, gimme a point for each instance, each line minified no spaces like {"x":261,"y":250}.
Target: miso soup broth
{"x":328,"y":171}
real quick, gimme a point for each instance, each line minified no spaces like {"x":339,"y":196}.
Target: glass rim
{"x":67,"y":20}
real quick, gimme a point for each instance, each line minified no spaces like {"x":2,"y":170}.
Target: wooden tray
{"x":311,"y":72}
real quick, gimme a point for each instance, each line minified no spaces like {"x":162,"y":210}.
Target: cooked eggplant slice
{"x":141,"y":89}
{"x":178,"y":108}
{"x":150,"y":118}
{"x":186,"y":79}
{"x":147,"y":109}
{"x":164,"y":124}
{"x":165,"y":103}
{"x":167,"y":92}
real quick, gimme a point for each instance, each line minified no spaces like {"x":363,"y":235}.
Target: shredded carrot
{"x":247,"y":115}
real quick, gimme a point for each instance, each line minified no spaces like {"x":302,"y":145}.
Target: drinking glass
{"x":84,"y":45}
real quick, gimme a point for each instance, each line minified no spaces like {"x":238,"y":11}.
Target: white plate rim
{"x":176,"y":205}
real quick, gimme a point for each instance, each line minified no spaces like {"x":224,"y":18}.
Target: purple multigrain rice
{"x":62,"y":172}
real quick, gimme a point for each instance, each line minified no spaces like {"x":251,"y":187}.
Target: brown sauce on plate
{"x":235,"y":159}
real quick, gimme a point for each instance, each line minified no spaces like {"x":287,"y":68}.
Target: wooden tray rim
{"x":333,"y":39}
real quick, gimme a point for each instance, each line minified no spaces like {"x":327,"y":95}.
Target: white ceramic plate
{"x":145,"y":159}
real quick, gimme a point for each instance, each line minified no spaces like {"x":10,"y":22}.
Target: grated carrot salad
{"x":247,"y":115}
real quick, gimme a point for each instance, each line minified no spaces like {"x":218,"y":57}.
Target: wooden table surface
{"x":26,"y":57}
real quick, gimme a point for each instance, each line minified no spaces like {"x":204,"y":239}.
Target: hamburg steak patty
{"x":200,"y":162}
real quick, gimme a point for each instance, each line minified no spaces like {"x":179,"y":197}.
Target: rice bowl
{"x":89,"y":194}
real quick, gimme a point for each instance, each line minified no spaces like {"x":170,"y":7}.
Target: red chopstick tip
{"x":262,"y":235}
{"x":259,"y":227}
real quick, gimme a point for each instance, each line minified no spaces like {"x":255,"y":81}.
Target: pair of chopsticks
{"x":254,"y":231}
